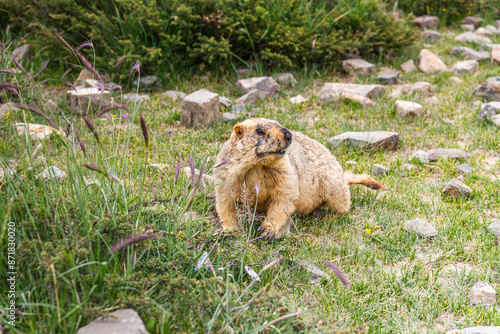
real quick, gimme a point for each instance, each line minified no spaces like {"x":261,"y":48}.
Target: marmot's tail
{"x":352,"y":179}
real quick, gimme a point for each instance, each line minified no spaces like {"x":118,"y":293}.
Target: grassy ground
{"x":399,"y":282}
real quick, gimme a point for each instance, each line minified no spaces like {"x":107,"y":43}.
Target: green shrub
{"x":168,"y":35}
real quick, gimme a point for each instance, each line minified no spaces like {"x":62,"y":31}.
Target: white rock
{"x":225,"y":102}
{"x":286,"y":78}
{"x":84,"y":98}
{"x":200,"y":108}
{"x":408,"y":66}
{"x":37,"y":131}
{"x":470,"y":37}
{"x":249,"y":98}
{"x":408,"y":108}
{"x":423,"y":87}
{"x":174,"y":94}
{"x":495,"y":55}
{"x":489,"y":109}
{"x":91,"y":83}
{"x":358,"y":66}
{"x":421,"y":156}
{"x":267,"y":86}
{"x":431,"y":36}
{"x":379,"y":170}
{"x":468,"y":27}
{"x":456,"y":188}
{"x":125,"y":321}
{"x":495,"y":228}
{"x":22,"y":52}
{"x":493,"y":29}
{"x":429,"y":63}
{"x":228,"y":117}
{"x":420,"y":227}
{"x":482,"y":293}
{"x":479,"y":330}
{"x":52,"y":172}
{"x":298,"y":99}
{"x":483,"y":32}
{"x":366,"y":102}
{"x":373,"y":140}
{"x":495,"y":119}
{"x":333,"y":91}
{"x":456,"y":80}
{"x":7,"y":108}
{"x":426,"y":22}
{"x":464,"y":67}
{"x":133,"y":97}
{"x":447,"y":153}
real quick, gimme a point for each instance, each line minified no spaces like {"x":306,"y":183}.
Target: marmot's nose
{"x":287,"y":134}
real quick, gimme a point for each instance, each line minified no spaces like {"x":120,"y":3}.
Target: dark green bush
{"x":168,"y":35}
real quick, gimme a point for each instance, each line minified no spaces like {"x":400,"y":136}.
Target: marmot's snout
{"x":288,"y":135}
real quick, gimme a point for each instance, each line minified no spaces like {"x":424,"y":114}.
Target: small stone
{"x":364,"y":101}
{"x":228,"y":117}
{"x":495,"y":119}
{"x":408,"y":66}
{"x":82,"y":77}
{"x":379,"y":170}
{"x":464,"y":169}
{"x":225,"y":102}
{"x":7,"y":108}
{"x":422,"y":87}
{"x":489,"y":89}
{"x":22,"y":52}
{"x":456,"y":188}
{"x":41,"y":160}
{"x":249,"y":98}
{"x":432,"y":99}
{"x":465,"y":67}
{"x":429,"y":63}
{"x":265,"y":85}
{"x":426,"y":22}
{"x":83,"y":98}
{"x":351,"y":162}
{"x":286,"y":79}
{"x":482,"y":293}
{"x":316,"y":273}
{"x":493,"y":29}
{"x":368,"y":140}
{"x":358,"y":66}
{"x":483,"y":32}
{"x":52,"y":106}
{"x":495,"y":228}
{"x":456,"y":80}
{"x":133,"y":97}
{"x":174,"y":94}
{"x":476,"y":21}
{"x":298,"y":99}
{"x":409,"y":168}
{"x":470,"y":37}
{"x":420,"y":227}
{"x":408,"y":108}
{"x":200,"y":108}
{"x":431,"y":36}
{"x":125,"y":321}
{"x":421,"y":156}
{"x":52,"y":172}
{"x":388,"y":78}
{"x":489,"y":109}
{"x":37,"y":131}
{"x":476,"y":55}
{"x":148,"y":81}
{"x":478,"y":330}
{"x":189,"y":216}
{"x":238,"y":109}
{"x":477,"y":104}
{"x":447,"y":153}
{"x":333,"y":91}
{"x":468,"y":27}
{"x":495,"y":55}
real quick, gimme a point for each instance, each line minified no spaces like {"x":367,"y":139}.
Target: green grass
{"x":399,"y":281}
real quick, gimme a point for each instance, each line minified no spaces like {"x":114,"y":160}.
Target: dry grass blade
{"x":6,"y":70}
{"x":14,"y":59}
{"x":133,"y":240}
{"x":109,"y":107}
{"x":34,"y":109}
{"x":144,"y":130}
{"x":66,"y":43}
{"x":194,"y":190}
{"x":91,"y":127}
{"x":337,"y":272}
{"x":288,"y":316}
{"x":94,"y":168}
{"x":177,"y":171}
{"x":82,"y":145}
{"x":7,"y":85}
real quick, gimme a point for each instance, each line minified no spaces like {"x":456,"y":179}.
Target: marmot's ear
{"x":238,"y":130}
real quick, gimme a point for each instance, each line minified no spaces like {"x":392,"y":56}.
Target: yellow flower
{"x":114,"y":115}
{"x":442,"y":139}
{"x":471,"y":4}
{"x":444,"y":9}
{"x":469,"y":12}
{"x":368,"y":231}
{"x":469,"y":310}
{"x":24,"y":41}
{"x":52,"y":160}
{"x":417,"y":128}
{"x":8,"y":114}
{"x":118,"y":164}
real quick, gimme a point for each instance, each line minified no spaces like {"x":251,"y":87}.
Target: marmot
{"x":287,"y":172}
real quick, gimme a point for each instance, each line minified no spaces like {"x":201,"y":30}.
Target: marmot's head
{"x":261,"y":140}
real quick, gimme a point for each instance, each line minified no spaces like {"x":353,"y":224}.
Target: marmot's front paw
{"x":229,"y":228}
{"x":269,"y":231}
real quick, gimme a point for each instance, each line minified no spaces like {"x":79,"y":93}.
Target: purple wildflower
{"x":223,"y":162}
{"x":6,"y":70}
{"x":191,"y":165}
{"x":336,"y":271}
{"x":136,"y":67}
{"x":144,"y":129}
{"x":111,"y":107}
{"x":116,"y":87}
{"x":119,"y":61}
{"x":125,"y":117}
{"x":257,"y":188}
{"x":18,"y":65}
{"x":107,"y":116}
{"x":12,"y":89}
{"x":177,"y":171}
{"x":87,"y":44}
{"x":101,"y":86}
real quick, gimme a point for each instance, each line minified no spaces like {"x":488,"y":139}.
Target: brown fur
{"x":301,"y":180}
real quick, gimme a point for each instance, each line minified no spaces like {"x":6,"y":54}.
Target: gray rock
{"x":431,"y":36}
{"x":408,"y":108}
{"x":379,"y":170}
{"x":476,"y":21}
{"x":228,"y":117}
{"x":468,"y":27}
{"x":470,"y":37}
{"x":483,"y":32}
{"x":22,"y":52}
{"x":421,"y":156}
{"x":388,"y":78}
{"x":489,"y":109}
{"x":479,"y":330}
{"x":493,"y":29}
{"x":459,"y":50}
{"x":225,"y":102}
{"x":265,"y":85}
{"x":84,"y":98}
{"x":364,"y":101}
{"x":476,"y":55}
{"x":464,"y":169}
{"x":426,"y":22}
{"x":125,"y":321}
{"x":148,"y":81}
{"x":91,"y":83}
{"x":456,"y":80}
{"x":465,"y":67}
{"x":200,"y":108}
{"x":238,"y":109}
{"x":456,"y":188}
{"x":298,"y":99}
{"x":482,"y":293}
{"x":316,"y":273}
{"x":429,"y":63}
{"x":332,"y":91}
{"x":82,"y":77}
{"x":133,"y":97}
{"x":495,"y":228}
{"x":408,"y":66}
{"x":447,"y":153}
{"x":358,"y":66}
{"x":174,"y":94}
{"x":7,"y":108}
{"x":495,"y":120}
{"x":368,"y":140}
{"x":52,"y":172}
{"x":52,"y":106}
{"x":490,"y":89}
{"x":41,"y":160}
{"x":249,"y":98}
{"x":495,"y":55}
{"x":421,"y":227}
{"x":421,"y":86}
{"x":286,"y":79}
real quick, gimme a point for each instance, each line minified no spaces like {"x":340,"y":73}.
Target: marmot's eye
{"x":260,"y":131}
